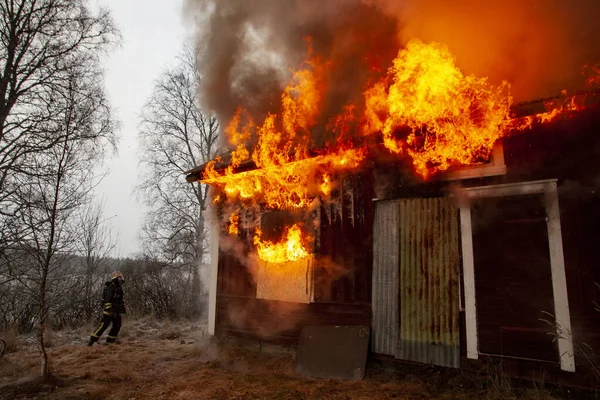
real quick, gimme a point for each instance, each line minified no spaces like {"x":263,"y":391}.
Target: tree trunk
{"x":196,"y":292}
{"x":89,"y":277}
{"x":44,"y":370}
{"x":41,"y":346}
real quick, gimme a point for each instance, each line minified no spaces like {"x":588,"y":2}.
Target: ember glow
{"x":234,"y":221}
{"x":592,"y":75}
{"x":286,"y":186}
{"x":290,"y":248}
{"x":554,"y":109}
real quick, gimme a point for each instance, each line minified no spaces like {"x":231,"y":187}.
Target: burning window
{"x":494,"y":165}
{"x":285,"y":246}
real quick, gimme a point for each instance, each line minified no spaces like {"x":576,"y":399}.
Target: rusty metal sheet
{"x":333,"y":352}
{"x":386,"y":252}
{"x":429,"y":282}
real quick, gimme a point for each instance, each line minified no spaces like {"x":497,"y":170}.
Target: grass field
{"x":167,"y":360}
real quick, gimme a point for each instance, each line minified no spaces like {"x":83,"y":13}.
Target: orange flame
{"x":424,"y":107}
{"x":291,"y":248}
{"x":284,"y":171}
{"x":553,"y":111}
{"x":234,"y":221}
{"x":451,"y":118}
{"x":238,"y":139}
{"x":286,"y":186}
{"x":326,"y":185}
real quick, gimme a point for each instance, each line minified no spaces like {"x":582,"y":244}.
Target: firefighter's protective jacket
{"x":112,"y":298}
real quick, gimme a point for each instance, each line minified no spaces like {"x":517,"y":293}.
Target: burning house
{"x":458,"y":225}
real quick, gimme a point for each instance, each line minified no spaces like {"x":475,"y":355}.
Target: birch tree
{"x":95,"y":244}
{"x":51,"y":199}
{"x":39,"y":39}
{"x":55,"y":125}
{"x":176,"y":135}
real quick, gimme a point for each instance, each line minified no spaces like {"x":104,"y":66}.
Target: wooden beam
{"x":469,"y":281}
{"x":559,"y":280}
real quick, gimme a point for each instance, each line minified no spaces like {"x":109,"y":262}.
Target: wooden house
{"x":490,"y":262}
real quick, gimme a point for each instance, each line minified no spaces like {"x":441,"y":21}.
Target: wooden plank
{"x":507,"y":189}
{"x":559,"y":281}
{"x":469,"y":281}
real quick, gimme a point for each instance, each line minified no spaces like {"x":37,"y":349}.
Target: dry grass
{"x":167,"y":360}
{"x":496,"y":385}
{"x":10,"y":337}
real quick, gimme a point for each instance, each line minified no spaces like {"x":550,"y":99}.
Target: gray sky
{"x":153,"y":34}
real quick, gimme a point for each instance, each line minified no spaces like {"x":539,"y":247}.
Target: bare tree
{"x":39,"y":41}
{"x":95,"y":244}
{"x":54,"y":124}
{"x":49,"y":200}
{"x":175,"y":136}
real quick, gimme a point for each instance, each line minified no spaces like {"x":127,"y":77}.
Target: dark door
{"x":513,"y":282}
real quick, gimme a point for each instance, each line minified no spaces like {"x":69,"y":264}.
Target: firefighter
{"x":113,"y":306}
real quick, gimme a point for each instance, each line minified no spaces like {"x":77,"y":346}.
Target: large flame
{"x":285,"y":186}
{"x":424,"y":108}
{"x":290,"y":248}
{"x":450,"y":118}
{"x":284,"y":174}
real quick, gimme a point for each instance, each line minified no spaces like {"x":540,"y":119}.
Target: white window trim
{"x":214,"y":271}
{"x":557,"y":262}
{"x":495,"y":167}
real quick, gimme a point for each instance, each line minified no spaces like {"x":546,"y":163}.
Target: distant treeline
{"x":74,"y":291}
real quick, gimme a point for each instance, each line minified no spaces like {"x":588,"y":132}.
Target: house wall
{"x":342,"y":273}
{"x":567,"y":151}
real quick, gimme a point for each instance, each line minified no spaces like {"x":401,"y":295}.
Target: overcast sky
{"x":153,"y":34}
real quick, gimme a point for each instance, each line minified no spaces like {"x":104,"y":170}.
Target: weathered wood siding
{"x":342,"y":272}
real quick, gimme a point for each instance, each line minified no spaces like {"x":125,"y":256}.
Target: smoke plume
{"x":540,"y":47}
{"x":248,"y":48}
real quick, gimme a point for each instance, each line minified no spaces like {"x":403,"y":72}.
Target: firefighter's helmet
{"x":116,"y":275}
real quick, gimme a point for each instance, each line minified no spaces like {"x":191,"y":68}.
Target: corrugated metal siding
{"x":386,"y":248}
{"x":429,"y":274}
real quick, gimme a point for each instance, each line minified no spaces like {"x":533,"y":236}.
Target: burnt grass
{"x":168,"y":360}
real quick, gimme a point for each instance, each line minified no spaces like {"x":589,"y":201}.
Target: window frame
{"x":495,"y":167}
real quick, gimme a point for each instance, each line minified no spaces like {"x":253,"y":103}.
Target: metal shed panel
{"x":429,"y":282}
{"x":386,"y":250}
